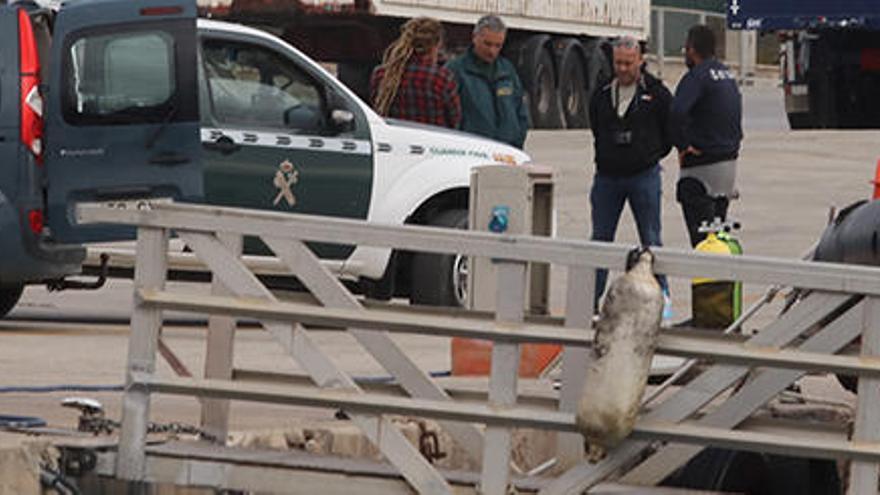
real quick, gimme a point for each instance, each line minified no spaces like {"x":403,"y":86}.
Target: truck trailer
{"x":829,"y":57}
{"x":556,"y":46}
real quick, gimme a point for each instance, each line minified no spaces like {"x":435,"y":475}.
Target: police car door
{"x":122,"y":117}
{"x":278,"y":134}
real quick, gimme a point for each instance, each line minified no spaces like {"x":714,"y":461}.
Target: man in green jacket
{"x":491,"y":93}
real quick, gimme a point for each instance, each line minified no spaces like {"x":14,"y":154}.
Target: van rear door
{"x":123,"y":120}
{"x":8,"y":92}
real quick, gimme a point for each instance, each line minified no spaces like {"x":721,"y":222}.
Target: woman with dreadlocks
{"x":410,"y":84}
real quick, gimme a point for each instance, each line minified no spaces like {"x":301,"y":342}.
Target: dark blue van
{"x":81,"y":122}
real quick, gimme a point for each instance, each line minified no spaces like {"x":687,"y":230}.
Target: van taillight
{"x":31,"y":99}
{"x":36,"y":221}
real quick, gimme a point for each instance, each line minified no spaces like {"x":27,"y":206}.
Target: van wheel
{"x":441,"y":279}
{"x":9,"y":296}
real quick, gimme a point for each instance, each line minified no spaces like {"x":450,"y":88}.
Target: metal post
{"x":510,"y":298}
{"x":146,"y":323}
{"x":578,"y":315}
{"x":746,"y":56}
{"x":864,"y":475}
{"x":661,"y":43}
{"x":219,"y":352}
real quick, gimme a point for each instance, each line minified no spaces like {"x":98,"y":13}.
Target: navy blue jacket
{"x":707,"y":114}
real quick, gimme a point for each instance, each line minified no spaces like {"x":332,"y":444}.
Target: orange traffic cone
{"x":472,"y":357}
{"x":876,"y":182}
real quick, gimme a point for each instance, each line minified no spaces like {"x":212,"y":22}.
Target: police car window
{"x":127,"y":77}
{"x":255,"y":86}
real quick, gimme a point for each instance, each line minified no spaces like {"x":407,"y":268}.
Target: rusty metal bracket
{"x":429,"y":443}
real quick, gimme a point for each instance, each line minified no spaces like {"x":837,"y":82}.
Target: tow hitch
{"x":65,"y":284}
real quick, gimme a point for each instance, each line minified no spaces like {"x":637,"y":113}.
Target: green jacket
{"x":491,"y":98}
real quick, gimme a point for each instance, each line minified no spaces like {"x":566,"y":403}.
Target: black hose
{"x":56,"y":481}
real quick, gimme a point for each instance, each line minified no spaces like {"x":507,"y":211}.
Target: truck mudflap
{"x":797,"y":98}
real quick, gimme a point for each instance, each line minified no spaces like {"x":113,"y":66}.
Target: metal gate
{"x":841,"y":306}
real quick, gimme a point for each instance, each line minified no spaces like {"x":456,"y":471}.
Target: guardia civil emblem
{"x":285,"y":178}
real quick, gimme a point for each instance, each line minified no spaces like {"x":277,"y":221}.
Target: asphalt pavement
{"x":788,"y":181}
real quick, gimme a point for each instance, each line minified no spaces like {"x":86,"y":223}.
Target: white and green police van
{"x":124,"y":99}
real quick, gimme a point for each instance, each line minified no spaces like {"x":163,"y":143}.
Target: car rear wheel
{"x":441,"y":279}
{"x":9,"y":296}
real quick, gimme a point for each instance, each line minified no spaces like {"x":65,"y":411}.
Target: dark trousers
{"x":698,"y":207}
{"x":607,"y":197}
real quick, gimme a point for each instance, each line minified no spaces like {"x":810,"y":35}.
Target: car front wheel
{"x":441,"y":279}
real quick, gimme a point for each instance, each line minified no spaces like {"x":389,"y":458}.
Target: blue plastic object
{"x":500,"y":219}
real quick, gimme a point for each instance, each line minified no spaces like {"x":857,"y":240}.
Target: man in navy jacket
{"x":706,"y":129}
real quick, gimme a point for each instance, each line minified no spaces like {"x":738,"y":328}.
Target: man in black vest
{"x":629,"y":118}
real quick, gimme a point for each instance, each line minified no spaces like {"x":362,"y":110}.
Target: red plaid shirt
{"x":427,"y":94}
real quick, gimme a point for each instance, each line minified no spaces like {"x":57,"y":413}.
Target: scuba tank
{"x":717,"y":303}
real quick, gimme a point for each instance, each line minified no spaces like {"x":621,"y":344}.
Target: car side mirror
{"x":343,"y":120}
{"x":303,"y":118}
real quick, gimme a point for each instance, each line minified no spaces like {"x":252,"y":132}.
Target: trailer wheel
{"x":573,"y":86}
{"x":9,"y":296}
{"x":801,"y":120}
{"x":825,"y":88}
{"x":441,"y":279}
{"x":599,"y":72}
{"x":539,"y":78}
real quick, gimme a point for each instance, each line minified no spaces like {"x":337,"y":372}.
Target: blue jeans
{"x":609,"y":193}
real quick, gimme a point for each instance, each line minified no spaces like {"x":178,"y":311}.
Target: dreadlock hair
{"x":417,"y":37}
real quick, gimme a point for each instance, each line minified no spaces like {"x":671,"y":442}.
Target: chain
{"x":180,"y":429}
{"x":100,"y":425}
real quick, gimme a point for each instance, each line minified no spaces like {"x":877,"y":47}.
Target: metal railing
{"x":842,"y":307}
